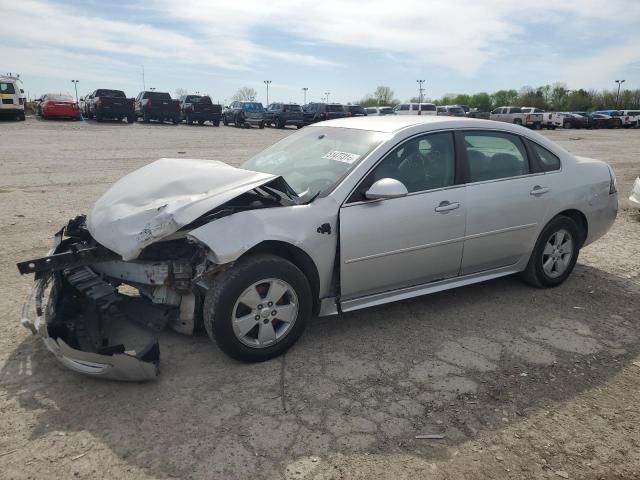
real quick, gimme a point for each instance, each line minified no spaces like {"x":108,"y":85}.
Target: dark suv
{"x":197,"y":108}
{"x":244,"y":114}
{"x":316,"y":112}
{"x":282,"y":114}
{"x":356,"y":110}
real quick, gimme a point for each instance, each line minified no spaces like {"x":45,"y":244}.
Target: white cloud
{"x":462,"y":36}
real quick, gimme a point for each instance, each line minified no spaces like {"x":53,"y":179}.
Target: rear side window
{"x":7,"y":88}
{"x":494,"y":155}
{"x":548,"y":161}
{"x":403,"y":107}
{"x":292,"y":108}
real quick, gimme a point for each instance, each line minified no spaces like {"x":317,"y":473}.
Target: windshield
{"x":7,"y":88}
{"x":60,"y":98}
{"x":315,"y":159}
{"x":110,"y":93}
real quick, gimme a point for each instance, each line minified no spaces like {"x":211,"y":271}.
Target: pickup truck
{"x":516,"y":116}
{"x":197,"y":108}
{"x":104,"y":103}
{"x":283,"y":114}
{"x":550,"y":120}
{"x":157,"y":106}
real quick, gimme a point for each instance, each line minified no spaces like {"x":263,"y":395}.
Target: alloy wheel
{"x":557,"y":253}
{"x":265,"y":313}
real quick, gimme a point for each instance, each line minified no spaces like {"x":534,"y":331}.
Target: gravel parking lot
{"x":521,"y":383}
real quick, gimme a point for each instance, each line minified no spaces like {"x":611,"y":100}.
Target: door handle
{"x":446,"y":206}
{"x":538,"y":190}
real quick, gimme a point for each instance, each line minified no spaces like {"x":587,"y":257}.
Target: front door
{"x":406,"y":241}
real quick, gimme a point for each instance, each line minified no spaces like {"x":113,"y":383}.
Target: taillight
{"x":98,"y":103}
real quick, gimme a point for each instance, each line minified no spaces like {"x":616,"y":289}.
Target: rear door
{"x":507,"y":199}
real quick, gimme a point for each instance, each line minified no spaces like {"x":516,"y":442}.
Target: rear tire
{"x":146,"y":118}
{"x":216,"y":123}
{"x":566,"y":125}
{"x":224,"y":306}
{"x":555,"y":253}
{"x":261,"y":126}
{"x":189,"y":120}
{"x":131,"y":118}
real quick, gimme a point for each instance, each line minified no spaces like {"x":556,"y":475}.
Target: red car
{"x":59,"y":105}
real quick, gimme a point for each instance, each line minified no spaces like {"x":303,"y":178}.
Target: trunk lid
{"x":158,"y":199}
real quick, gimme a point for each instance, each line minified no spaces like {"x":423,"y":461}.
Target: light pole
{"x":326,"y":94}
{"x":304,"y":89}
{"x":75,"y":85}
{"x":420,"y":90}
{"x":619,"y":82}
{"x":267,"y":82}
{"x":153,"y":89}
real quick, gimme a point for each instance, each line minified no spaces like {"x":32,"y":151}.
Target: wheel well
{"x":296,"y":256}
{"x":578,"y":217}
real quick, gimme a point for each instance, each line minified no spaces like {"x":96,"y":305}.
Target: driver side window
{"x":423,"y":163}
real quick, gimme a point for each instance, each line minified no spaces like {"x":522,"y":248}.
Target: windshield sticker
{"x":344,"y":157}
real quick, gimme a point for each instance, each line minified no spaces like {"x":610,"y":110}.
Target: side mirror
{"x":386,"y":188}
{"x":21,"y":91}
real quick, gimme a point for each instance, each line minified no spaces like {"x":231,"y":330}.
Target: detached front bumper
{"x":38,"y":315}
{"x":635,"y":194}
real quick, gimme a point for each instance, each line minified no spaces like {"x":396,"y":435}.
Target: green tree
{"x":383,"y":95}
{"x":481,"y":101}
{"x":245,"y":94}
{"x":503,"y":98}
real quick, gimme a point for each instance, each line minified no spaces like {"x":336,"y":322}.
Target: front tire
{"x":258,"y":309}
{"x":555,"y":254}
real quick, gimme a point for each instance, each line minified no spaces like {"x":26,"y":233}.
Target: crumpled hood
{"x":162,"y":197}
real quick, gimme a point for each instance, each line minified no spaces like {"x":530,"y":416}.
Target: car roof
{"x":395,"y":123}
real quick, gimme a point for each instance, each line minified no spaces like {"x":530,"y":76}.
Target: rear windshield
{"x":428,"y":108}
{"x":252,"y":106}
{"x":157,"y":96}
{"x":335,"y":108}
{"x":198,"y":99}
{"x":60,"y":98}
{"x":356,"y":109}
{"x":293,"y":108}
{"x":110,"y":93}
{"x":456,"y":110}
{"x":7,"y":88}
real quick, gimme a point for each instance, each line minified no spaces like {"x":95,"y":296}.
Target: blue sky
{"x":343,"y":47}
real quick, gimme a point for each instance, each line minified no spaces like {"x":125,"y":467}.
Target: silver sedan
{"x":342,"y":215}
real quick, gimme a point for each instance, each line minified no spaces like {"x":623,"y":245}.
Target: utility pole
{"x":420,"y":90}
{"x":619,"y":82}
{"x":75,"y":85}
{"x":304,"y":89}
{"x":267,"y":82}
{"x":326,"y":94}
{"x":144,"y":85}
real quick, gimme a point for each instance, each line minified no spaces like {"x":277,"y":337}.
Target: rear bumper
{"x":113,"y":112}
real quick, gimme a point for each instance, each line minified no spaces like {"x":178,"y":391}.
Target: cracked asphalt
{"x":519,"y":382}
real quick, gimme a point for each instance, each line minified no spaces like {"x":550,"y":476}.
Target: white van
{"x":12,"y":99}
{"x":414,"y":108}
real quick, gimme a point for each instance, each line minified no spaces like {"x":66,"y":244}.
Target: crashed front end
{"x":115,"y":279}
{"x":100,"y":315}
